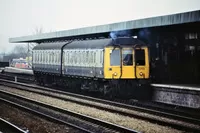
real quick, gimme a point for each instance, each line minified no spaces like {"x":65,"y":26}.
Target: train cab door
{"x":127,"y":63}
{"x":119,"y":63}
{"x":141,"y":63}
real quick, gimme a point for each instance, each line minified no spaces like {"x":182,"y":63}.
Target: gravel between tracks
{"x":129,"y":122}
{"x":31,"y":122}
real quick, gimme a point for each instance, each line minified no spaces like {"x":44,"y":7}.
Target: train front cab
{"x":127,"y":68}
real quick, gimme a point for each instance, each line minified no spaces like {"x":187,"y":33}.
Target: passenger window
{"x":87,"y":57}
{"x":40,"y":57}
{"x":94,"y":58}
{"x":43,"y":58}
{"x":56,"y":57}
{"x":37,"y":57}
{"x":139,"y":57}
{"x":101,"y":57}
{"x":127,"y":57}
{"x":50,"y":58}
{"x":77,"y":59}
{"x":46,"y":57}
{"x":34,"y":57}
{"x":80,"y":57}
{"x":68,"y":57}
{"x":71,"y":58}
{"x":91,"y":57}
{"x":84,"y":58}
{"x":53,"y":58}
{"x":115,"y":58}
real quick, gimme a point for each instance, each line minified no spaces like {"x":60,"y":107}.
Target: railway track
{"x":181,"y":121}
{"x":6,"y":127}
{"x":174,"y":109}
{"x":17,"y":78}
{"x":85,"y":123}
{"x":4,"y":99}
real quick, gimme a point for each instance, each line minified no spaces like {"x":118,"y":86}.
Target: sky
{"x":23,"y":17}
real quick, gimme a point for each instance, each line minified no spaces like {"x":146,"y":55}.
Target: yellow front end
{"x":126,"y":63}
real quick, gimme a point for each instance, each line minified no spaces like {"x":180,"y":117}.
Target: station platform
{"x":17,"y":70}
{"x":179,"y":86}
{"x":177,"y":94}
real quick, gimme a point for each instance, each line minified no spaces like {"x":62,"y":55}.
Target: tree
{"x":19,"y":51}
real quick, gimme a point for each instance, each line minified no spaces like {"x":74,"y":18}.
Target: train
{"x":109,"y":66}
{"x":19,"y":63}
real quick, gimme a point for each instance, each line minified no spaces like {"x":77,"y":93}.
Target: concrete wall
{"x":177,"y":96}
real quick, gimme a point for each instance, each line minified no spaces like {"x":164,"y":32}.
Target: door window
{"x":115,"y":57}
{"x":127,"y":57}
{"x":139,"y":57}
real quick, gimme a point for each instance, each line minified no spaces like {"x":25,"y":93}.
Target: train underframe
{"x":123,"y":88}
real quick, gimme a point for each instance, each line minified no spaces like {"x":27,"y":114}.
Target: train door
{"x":141,"y":63}
{"x":119,"y":63}
{"x":127,"y":63}
{"x":112,"y":59}
{"x":135,"y":63}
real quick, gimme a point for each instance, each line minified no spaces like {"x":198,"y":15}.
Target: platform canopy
{"x":180,"y":18}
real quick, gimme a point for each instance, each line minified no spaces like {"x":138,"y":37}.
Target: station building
{"x":174,"y":42}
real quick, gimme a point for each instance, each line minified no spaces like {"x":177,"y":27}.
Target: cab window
{"x":115,"y":57}
{"x":127,"y":57}
{"x":139,"y":57}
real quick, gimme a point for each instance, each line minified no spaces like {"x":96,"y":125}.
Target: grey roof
{"x":180,"y":18}
{"x":101,"y":43}
{"x":90,"y":44}
{"x":49,"y":45}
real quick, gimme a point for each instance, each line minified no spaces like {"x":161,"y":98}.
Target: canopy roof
{"x":174,"y":19}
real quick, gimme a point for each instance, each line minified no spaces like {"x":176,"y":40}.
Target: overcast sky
{"x":22,"y":17}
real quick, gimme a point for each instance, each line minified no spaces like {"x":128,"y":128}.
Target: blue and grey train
{"x":105,"y":65}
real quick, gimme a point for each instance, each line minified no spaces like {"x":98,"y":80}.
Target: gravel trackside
{"x":31,"y":122}
{"x":128,"y":122}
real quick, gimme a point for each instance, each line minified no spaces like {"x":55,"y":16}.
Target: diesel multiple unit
{"x":107,"y":65}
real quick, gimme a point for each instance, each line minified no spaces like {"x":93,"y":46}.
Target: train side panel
{"x":83,"y":63}
{"x":47,"y":61}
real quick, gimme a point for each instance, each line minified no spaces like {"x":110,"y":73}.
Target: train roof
{"x":49,"y":45}
{"x":101,"y":43}
{"x":91,"y":44}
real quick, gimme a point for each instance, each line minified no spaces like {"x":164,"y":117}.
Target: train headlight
{"x":115,"y":74}
{"x":141,"y":74}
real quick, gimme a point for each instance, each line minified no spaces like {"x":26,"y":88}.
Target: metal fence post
{"x":15,"y":78}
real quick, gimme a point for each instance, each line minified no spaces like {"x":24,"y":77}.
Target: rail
{"x":70,"y":113}
{"x":9,"y":127}
{"x":181,"y":117}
